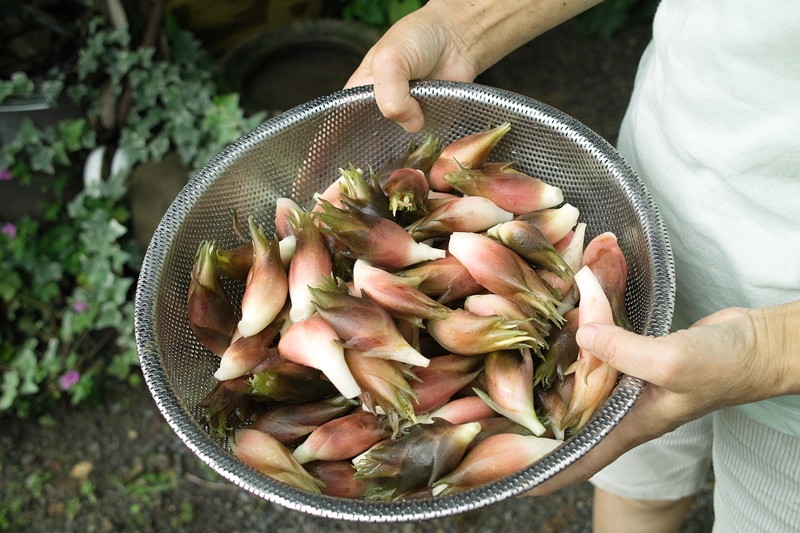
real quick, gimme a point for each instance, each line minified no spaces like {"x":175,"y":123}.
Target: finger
{"x":637,"y":355}
{"x":397,"y":104}
{"x":391,"y":82}
{"x":641,"y":424}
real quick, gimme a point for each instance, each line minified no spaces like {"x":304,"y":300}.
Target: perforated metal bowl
{"x":299,"y":153}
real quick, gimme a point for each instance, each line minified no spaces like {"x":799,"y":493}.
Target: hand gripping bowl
{"x":299,"y":153}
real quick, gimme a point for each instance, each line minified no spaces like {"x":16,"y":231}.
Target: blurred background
{"x":107,"y":108}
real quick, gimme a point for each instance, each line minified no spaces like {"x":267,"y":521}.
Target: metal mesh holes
{"x":299,"y":153}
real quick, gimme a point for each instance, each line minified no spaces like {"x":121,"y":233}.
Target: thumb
{"x":628,"y":352}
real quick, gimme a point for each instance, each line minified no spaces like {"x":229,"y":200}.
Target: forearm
{"x":491,"y":29}
{"x":452,"y":40}
{"x":777,"y":341}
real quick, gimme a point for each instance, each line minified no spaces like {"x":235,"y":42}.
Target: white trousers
{"x":756,"y":472}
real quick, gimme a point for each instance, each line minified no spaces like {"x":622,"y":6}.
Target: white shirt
{"x":713,"y":129}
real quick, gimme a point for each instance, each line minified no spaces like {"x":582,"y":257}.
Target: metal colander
{"x":299,"y":153}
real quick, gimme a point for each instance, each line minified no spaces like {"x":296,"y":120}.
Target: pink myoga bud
{"x":594,"y":379}
{"x":267,"y":284}
{"x":423,"y":454}
{"x":211,"y":315}
{"x":386,"y":387}
{"x":444,"y":279}
{"x":343,"y":438}
{"x":606,"y":260}
{"x":284,"y":211}
{"x":363,"y":194}
{"x":509,"y":387}
{"x":515,"y":192}
{"x":495,"y":305}
{"x":470,"y":213}
{"x":270,"y":457}
{"x":397,"y":294}
{"x":362,"y":324}
{"x":503,"y":272}
{"x":554,"y":223}
{"x":443,"y":377}
{"x":493,"y":458}
{"x":246,"y":353}
{"x":407,"y":190}
{"x":529,"y":243}
{"x":338,"y":479}
{"x":380,"y":241}
{"x":289,"y":424}
{"x":470,"y":151}
{"x":465,"y":333}
{"x":312,"y":342}
{"x":462,"y":411}
{"x":311,"y":264}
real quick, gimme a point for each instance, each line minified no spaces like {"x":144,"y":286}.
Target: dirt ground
{"x":119,"y":467}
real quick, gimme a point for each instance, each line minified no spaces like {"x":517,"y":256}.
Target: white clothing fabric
{"x":671,"y":467}
{"x":713,"y":129}
{"x":756,"y":472}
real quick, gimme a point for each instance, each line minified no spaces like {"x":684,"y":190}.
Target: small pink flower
{"x":5,"y":175}
{"x":80,"y":306}
{"x":9,"y":229}
{"x":69,"y":379}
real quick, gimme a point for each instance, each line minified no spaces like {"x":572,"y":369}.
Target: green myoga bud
{"x":418,"y":458}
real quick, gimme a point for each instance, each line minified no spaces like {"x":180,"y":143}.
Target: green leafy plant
{"x":21,"y":85}
{"x":66,"y":278}
{"x":68,"y":271}
{"x":603,"y":20}
{"x":173,"y":105}
{"x":380,"y":14}
{"x":607,"y":18}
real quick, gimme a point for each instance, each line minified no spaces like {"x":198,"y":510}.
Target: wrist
{"x":490,"y":29}
{"x":777,"y":343}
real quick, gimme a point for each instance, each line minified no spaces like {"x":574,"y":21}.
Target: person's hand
{"x":731,"y":357}
{"x":451,"y":40}
{"x":423,"y":45}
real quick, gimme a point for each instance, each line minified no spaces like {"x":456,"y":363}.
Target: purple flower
{"x":9,"y":229}
{"x":69,"y":379}
{"x":80,"y":306}
{"x":5,"y":175}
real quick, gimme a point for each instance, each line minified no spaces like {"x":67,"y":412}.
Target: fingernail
{"x":585,"y":336}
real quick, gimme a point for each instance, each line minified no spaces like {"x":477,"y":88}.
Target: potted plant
{"x":70,"y":261}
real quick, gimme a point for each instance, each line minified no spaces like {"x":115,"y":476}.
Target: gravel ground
{"x":119,"y":467}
